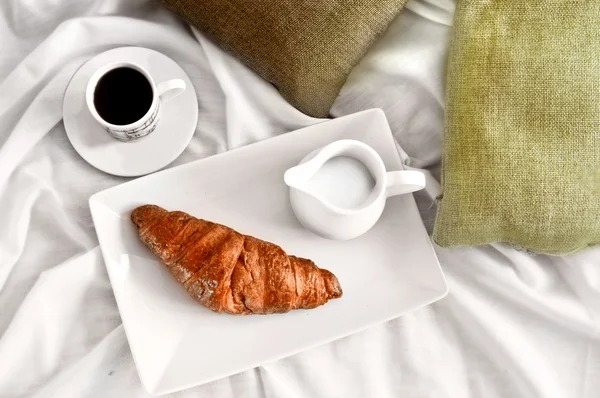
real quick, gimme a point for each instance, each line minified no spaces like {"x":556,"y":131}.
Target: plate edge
{"x":93,"y":203}
{"x":242,"y":148}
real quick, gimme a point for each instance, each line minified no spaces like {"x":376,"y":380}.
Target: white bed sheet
{"x":514,"y":325}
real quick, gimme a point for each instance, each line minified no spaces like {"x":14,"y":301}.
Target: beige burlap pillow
{"x":305,"y":48}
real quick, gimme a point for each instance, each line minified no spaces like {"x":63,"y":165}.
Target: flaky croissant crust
{"x":228,"y":271}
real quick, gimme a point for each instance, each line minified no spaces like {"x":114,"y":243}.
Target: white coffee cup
{"x":161,"y":93}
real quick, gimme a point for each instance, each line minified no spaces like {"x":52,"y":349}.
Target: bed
{"x":514,"y":324}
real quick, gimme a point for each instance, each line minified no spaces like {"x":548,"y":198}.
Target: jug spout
{"x":297,"y":176}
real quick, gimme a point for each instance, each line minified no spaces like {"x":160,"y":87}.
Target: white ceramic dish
{"x":146,"y":155}
{"x":177,"y":343}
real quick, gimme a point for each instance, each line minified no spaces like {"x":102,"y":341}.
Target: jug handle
{"x":404,"y":181}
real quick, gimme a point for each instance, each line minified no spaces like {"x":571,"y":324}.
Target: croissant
{"x":227,"y":271}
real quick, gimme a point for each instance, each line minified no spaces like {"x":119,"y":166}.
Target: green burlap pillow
{"x":305,"y":48}
{"x":521,"y":159}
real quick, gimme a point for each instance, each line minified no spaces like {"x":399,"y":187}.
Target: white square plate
{"x":176,"y":342}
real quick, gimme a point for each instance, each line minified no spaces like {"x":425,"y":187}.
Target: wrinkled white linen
{"x":514,"y":325}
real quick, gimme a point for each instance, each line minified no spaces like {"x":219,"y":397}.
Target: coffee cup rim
{"x":91,"y":89}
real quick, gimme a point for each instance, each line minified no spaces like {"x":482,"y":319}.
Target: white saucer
{"x":146,"y":155}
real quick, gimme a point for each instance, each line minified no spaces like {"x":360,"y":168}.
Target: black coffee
{"x":123,"y":96}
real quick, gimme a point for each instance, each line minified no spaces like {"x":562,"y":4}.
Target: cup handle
{"x":170,"y":89}
{"x":404,"y":181}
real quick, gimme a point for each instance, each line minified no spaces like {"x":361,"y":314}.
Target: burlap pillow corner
{"x":306,"y":49}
